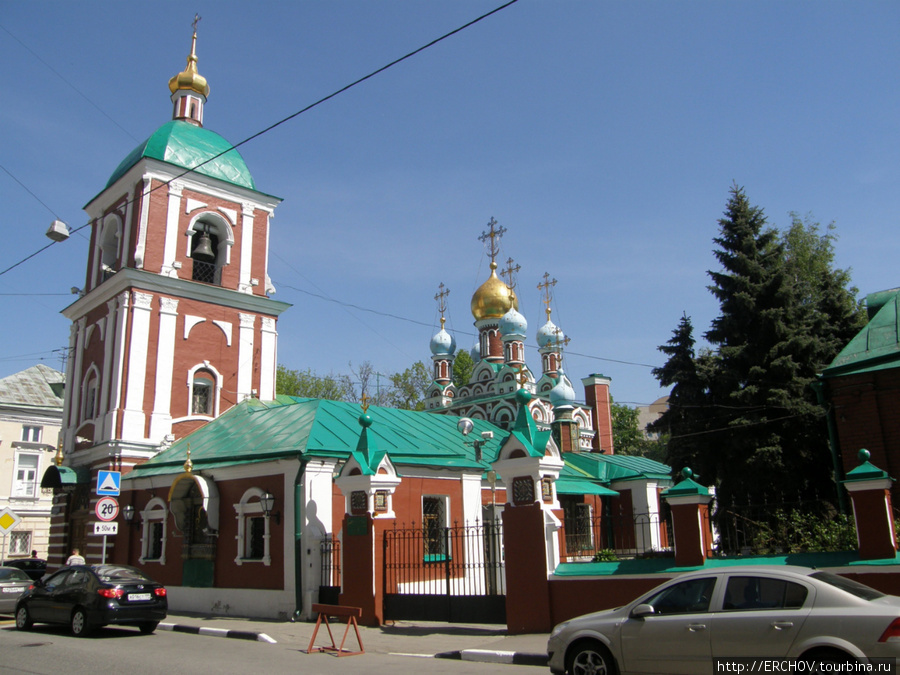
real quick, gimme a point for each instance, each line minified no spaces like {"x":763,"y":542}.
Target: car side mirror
{"x":641,"y":611}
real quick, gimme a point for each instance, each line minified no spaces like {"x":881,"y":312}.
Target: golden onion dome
{"x":189,"y":78}
{"x":493,"y":298}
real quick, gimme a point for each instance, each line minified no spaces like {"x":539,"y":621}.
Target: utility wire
{"x":290,"y":117}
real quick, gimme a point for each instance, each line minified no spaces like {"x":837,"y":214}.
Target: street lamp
{"x":465,"y":427}
{"x":128,"y":513}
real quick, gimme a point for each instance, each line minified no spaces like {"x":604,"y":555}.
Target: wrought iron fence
{"x":614,"y":534}
{"x":460,"y":560}
{"x":330,"y":550}
{"x":779,"y":526}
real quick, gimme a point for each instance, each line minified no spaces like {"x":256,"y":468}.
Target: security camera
{"x":487,"y":435}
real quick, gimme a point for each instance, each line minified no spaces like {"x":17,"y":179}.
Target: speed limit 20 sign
{"x":107,"y":508}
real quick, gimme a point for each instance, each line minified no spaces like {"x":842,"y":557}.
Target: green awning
{"x":567,"y":486}
{"x":65,"y":476}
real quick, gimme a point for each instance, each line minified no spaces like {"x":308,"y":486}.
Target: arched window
{"x":153,"y":532}
{"x":203,"y":389}
{"x":110,"y":235}
{"x":89,"y":396}
{"x":209,"y":246}
{"x":253,"y":529}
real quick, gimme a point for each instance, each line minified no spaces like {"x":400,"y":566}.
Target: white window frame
{"x":16,"y":540}
{"x":16,"y":493}
{"x":215,"y":393}
{"x":29,"y":430}
{"x":251,"y":507}
{"x":90,"y":391}
{"x":154,"y":512}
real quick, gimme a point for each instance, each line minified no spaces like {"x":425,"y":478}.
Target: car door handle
{"x":695,"y":627}
{"x":782,"y":625}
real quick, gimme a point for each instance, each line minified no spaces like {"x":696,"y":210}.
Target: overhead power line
{"x":292,"y":116}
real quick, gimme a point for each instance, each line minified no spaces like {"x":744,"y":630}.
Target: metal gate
{"x":436,"y":573}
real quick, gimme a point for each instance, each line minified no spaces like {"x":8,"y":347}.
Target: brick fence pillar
{"x":870,"y":490}
{"x":689,"y":502}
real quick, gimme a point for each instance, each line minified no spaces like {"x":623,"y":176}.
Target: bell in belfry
{"x":203,"y":250}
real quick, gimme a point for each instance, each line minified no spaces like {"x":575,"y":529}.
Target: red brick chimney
{"x":596,"y":395}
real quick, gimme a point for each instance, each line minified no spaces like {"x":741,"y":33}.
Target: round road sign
{"x":107,"y":508}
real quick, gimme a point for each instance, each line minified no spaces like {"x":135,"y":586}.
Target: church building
{"x":242,"y":501}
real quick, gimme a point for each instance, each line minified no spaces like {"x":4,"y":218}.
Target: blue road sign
{"x":109,"y":483}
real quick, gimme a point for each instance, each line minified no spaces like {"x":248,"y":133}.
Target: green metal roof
{"x":877,"y":345}
{"x":609,"y":468}
{"x":253,"y":431}
{"x":188,"y":146}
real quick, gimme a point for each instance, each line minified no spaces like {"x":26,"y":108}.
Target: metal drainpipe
{"x":819,"y":387}
{"x":298,"y":540}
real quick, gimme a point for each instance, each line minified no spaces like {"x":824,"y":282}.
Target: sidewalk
{"x":469,"y":642}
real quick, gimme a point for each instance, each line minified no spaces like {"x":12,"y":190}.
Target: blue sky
{"x":604,"y":136}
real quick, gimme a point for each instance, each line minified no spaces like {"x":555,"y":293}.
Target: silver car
{"x":715,"y":620}
{"x":13,"y":582}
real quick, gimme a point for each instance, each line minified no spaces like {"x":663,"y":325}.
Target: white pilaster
{"x":134,"y":415}
{"x":245,"y":356}
{"x":268,"y":357}
{"x":141,"y":247}
{"x":121,"y":312}
{"x":244,"y":284}
{"x":171,"y":242}
{"x":161,"y":417}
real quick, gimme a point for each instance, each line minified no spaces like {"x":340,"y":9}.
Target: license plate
{"x":14,"y":590}
{"x":137,"y":597}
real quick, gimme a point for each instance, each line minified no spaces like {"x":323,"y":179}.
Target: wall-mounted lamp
{"x":267,"y":501}
{"x":128,"y":514}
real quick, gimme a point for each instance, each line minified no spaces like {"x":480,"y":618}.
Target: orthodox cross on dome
{"x":494,"y":235}
{"x":521,"y":377}
{"x":509,"y":272}
{"x":441,"y":298}
{"x":544,"y":288}
{"x":364,"y":402}
{"x":197,"y":18}
{"x":560,"y":343}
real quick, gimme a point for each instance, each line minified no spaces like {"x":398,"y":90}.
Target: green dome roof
{"x":186,"y":145}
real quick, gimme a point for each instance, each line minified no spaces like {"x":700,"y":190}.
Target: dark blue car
{"x":85,"y":597}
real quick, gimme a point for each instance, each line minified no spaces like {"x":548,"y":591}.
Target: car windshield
{"x":848,"y":585}
{"x":119,"y":573}
{"x":13,"y":574}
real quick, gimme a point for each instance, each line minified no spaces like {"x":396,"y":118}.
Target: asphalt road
{"x":50,"y":650}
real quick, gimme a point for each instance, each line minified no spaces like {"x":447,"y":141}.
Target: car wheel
{"x":80,"y":624}
{"x":148,"y":627}
{"x":23,"y":618}
{"x":831,"y":656}
{"x":590,"y":658}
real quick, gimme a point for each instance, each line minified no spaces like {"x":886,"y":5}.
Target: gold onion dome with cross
{"x":189,"y":78}
{"x":493,"y":298}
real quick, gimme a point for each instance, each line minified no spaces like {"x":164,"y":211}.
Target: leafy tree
{"x":306,"y":384}
{"x":463,"y":366}
{"x":409,"y":387}
{"x":629,"y":438}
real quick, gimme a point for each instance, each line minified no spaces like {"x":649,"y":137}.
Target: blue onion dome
{"x":513,"y":324}
{"x":475,"y":353}
{"x":562,"y":393}
{"x":549,"y":334}
{"x":443,"y":344}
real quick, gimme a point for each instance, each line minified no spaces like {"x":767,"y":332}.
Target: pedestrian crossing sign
{"x":109,"y":482}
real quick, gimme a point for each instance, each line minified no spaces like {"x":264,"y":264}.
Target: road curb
{"x":218,"y":632}
{"x":498,"y":656}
